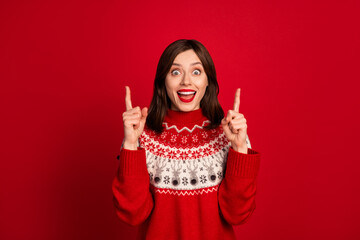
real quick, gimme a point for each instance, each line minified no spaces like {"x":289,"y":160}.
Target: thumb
{"x":144,"y":113}
{"x":225,"y":126}
{"x":224,"y":121}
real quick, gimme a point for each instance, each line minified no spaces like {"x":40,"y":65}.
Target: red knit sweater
{"x":185,"y":183}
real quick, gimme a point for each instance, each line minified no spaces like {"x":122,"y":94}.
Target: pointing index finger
{"x":128,"y":98}
{"x":237,"y":100}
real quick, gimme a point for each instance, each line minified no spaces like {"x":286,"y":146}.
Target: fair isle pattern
{"x":176,"y":146}
{"x":180,"y":138}
{"x":185,"y":128}
{"x":187,"y":193}
{"x":187,"y":174}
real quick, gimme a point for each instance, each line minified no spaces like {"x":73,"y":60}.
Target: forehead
{"x":186,"y":57}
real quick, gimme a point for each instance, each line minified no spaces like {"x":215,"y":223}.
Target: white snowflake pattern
{"x":184,"y":139}
{"x":203,"y":179}
{"x":166,"y":179}
{"x":185,"y":181}
{"x":163,"y":135}
{"x":204,"y":134}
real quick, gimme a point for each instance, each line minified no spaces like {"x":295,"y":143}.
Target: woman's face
{"x":186,"y":82}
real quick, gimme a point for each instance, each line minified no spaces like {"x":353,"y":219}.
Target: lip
{"x":186,"y":90}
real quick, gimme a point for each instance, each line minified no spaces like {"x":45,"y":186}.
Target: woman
{"x":186,"y":171}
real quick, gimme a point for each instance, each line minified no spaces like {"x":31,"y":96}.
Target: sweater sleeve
{"x":238,"y":189}
{"x":131,"y":188}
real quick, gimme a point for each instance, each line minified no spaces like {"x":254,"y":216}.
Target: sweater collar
{"x":184,"y":118}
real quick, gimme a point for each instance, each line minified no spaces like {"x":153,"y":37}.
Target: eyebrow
{"x":177,"y":64}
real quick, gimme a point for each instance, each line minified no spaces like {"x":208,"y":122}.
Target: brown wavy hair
{"x":160,"y":102}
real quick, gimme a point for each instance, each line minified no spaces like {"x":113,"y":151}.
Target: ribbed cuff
{"x":243,"y":165}
{"x":132,"y":162}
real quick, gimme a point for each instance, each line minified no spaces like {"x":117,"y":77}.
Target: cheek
{"x":168,"y":92}
{"x":169,"y":89}
{"x":167,"y":84}
{"x":204,"y":83}
{"x":172,"y":83}
{"x":202,"y":87}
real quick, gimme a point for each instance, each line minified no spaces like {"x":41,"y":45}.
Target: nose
{"x":186,"y":80}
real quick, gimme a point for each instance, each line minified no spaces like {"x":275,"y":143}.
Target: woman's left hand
{"x":234,"y":126}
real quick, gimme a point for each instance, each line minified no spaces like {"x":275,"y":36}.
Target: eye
{"x":175,"y":72}
{"x":196,"y":72}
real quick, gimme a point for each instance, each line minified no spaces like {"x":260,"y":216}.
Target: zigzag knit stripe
{"x":185,"y":128}
{"x":187,"y":193}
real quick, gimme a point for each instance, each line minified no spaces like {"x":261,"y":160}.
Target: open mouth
{"x":186,"y":95}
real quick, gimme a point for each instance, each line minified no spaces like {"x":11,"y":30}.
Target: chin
{"x":185,"y":108}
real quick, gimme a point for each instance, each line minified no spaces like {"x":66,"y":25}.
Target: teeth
{"x":186,"y":93}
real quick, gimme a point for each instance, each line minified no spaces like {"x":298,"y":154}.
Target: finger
{"x":135,"y":110}
{"x":231,"y":114}
{"x":238,"y":121}
{"x":238,"y":126}
{"x":235,"y":131}
{"x":134,"y":116}
{"x":132,"y":122}
{"x":237,"y":100}
{"x":128,"y":99}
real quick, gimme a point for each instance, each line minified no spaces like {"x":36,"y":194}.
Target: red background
{"x":63,"y":68}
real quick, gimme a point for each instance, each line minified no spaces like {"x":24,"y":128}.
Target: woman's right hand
{"x":134,"y":122}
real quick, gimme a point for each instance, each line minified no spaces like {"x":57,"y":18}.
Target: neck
{"x":184,"y":118}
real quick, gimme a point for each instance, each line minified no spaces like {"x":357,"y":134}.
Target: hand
{"x":134,"y":122}
{"x":234,"y":126}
